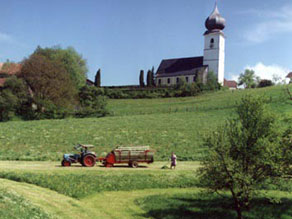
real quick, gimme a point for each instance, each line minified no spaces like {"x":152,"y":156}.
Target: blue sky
{"x":123,"y":36}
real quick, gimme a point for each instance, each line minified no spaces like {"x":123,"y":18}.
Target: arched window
{"x":212,"y":43}
{"x":187,"y":79}
{"x":168,"y":80}
{"x":177,"y":80}
{"x":159,"y":81}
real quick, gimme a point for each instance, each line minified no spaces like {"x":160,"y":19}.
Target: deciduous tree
{"x":245,"y":152}
{"x":70,"y":60}
{"x":248,"y":79}
{"x":49,"y":81}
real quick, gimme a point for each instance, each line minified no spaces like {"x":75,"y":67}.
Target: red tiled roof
{"x":289,"y":75}
{"x":2,"y":81}
{"x":10,"y":69}
{"x":230,"y":84}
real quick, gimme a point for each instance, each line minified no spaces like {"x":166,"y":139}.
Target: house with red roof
{"x":7,"y":70}
{"x":232,"y":85}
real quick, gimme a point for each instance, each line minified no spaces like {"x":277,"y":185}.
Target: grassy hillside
{"x":175,"y":124}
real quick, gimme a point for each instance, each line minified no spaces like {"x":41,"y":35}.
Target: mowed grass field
{"x":171,"y":124}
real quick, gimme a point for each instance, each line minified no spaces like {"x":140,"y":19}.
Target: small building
{"x":232,"y":85}
{"x":7,"y":70}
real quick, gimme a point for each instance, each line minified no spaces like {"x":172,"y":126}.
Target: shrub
{"x":265,"y":83}
{"x":92,"y":102}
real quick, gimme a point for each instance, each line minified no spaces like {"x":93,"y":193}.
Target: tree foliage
{"x":245,"y":152}
{"x":248,"y":79}
{"x":14,"y":98}
{"x":149,"y":79}
{"x":72,"y":62}
{"x":152,"y":77}
{"x":212,"y":81}
{"x":49,"y":81}
{"x":265,"y":83}
{"x":141,"y":79}
{"x":97,"y":81}
{"x":92,"y":102}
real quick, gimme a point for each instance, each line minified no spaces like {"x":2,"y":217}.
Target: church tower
{"x":214,"y":49}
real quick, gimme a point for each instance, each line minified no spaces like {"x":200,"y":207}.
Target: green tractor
{"x":85,"y":157}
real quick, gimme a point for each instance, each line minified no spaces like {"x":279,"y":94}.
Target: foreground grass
{"x":13,"y":205}
{"x":150,"y":203}
{"x":173,"y":124}
{"x":146,"y":192}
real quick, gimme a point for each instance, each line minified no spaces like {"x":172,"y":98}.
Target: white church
{"x":193,"y":69}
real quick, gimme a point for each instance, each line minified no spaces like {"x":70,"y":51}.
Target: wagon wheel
{"x":134,"y":164}
{"x":66,"y":163}
{"x":89,"y":161}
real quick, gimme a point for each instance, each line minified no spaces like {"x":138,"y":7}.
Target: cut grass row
{"x":82,"y":182}
{"x":78,"y":182}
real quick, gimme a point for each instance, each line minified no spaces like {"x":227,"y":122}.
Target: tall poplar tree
{"x":149,"y":81}
{"x":141,"y":79}
{"x":97,"y":81}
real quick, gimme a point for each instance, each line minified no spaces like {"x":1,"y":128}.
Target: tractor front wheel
{"x":66,"y":163}
{"x":89,"y":161}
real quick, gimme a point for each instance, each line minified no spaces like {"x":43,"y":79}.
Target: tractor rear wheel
{"x":88,"y":161}
{"x":66,"y":163}
{"x":134,"y":164}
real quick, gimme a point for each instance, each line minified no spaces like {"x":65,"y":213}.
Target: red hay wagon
{"x":128,"y":155}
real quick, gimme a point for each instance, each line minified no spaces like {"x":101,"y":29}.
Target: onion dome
{"x":215,"y":22}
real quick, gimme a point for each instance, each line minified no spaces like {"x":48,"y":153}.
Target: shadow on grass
{"x":210,"y":207}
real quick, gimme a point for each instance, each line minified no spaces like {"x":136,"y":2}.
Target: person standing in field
{"x":173,"y":161}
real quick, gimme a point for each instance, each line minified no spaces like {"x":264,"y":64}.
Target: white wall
{"x":215,"y":57}
{"x":164,"y":80}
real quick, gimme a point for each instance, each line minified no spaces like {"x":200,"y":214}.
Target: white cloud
{"x":272,"y":23}
{"x":266,"y":71}
{"x":5,"y":37}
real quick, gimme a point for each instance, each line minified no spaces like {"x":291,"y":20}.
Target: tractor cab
{"x":85,"y":157}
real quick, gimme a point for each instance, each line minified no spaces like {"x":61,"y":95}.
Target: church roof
{"x":215,"y":22}
{"x":180,"y":66}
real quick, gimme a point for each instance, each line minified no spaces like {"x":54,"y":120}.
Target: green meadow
{"x":34,"y":185}
{"x":171,"y":124}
